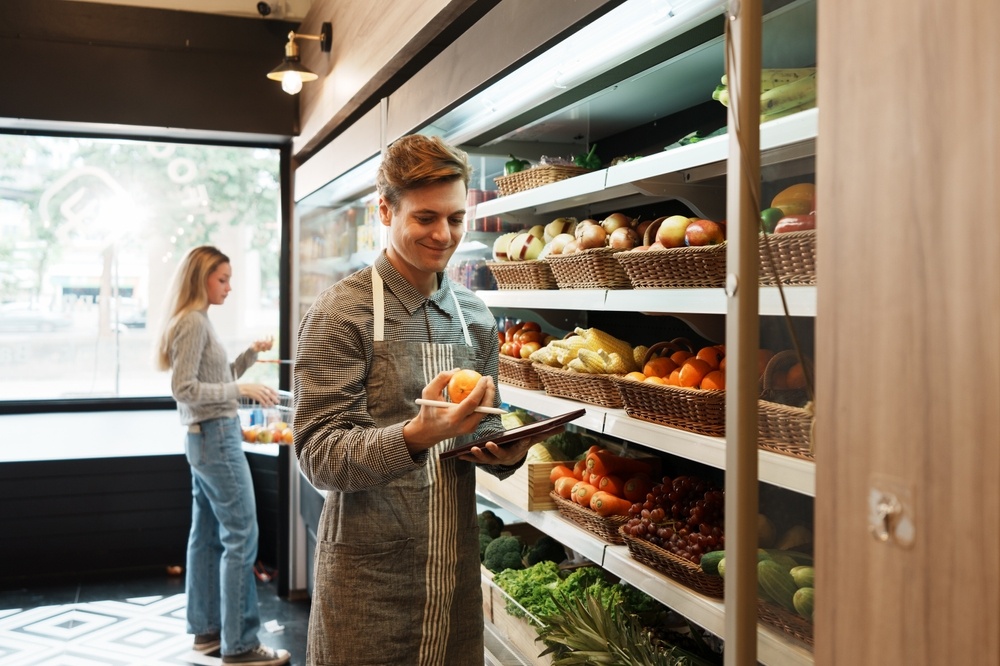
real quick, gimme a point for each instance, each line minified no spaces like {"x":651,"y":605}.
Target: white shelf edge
{"x":787,"y":472}
{"x":571,"y":192}
{"x":801,"y":300}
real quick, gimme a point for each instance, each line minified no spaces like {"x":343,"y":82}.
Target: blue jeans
{"x":222,"y":546}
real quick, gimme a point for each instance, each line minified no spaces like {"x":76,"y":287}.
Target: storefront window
{"x":91,"y":230}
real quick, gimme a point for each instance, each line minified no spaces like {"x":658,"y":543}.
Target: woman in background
{"x":222,"y":547}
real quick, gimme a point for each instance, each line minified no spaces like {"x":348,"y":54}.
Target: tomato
{"x":511,"y":331}
{"x":531,"y":326}
{"x":523,"y":336}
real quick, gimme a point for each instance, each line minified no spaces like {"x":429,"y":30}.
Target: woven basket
{"x":596,"y":268}
{"x":519,"y":372}
{"x":678,"y":267}
{"x":791,"y":623}
{"x":793,"y":255}
{"x":676,"y":568}
{"x":784,"y":428}
{"x":605,"y":528}
{"x":593,"y":389}
{"x":522,"y":274}
{"x":696,"y":410}
{"x":536,"y":177}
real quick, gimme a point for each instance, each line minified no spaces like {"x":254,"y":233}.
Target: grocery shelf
{"x":801,"y":300}
{"x":773,"y":649}
{"x":776,"y":469}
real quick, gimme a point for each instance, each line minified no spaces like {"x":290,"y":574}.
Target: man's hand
{"x":434,"y":424}
{"x":510,"y":454}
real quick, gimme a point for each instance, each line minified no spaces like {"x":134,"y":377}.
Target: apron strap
{"x":378,"y":310}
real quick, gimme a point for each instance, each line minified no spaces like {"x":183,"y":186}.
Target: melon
{"x":798,"y":199}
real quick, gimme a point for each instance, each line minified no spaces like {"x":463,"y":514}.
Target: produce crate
{"x":527,"y":488}
{"x":593,"y":389}
{"x":596,"y":268}
{"x":519,"y":632}
{"x":792,"y":255}
{"x":519,"y":372}
{"x":677,"y":267}
{"x":605,"y":528}
{"x":784,"y":428}
{"x":536,"y":177}
{"x":696,"y":410}
{"x":522,"y":274}
{"x":676,"y":568}
{"x":786,"y":621}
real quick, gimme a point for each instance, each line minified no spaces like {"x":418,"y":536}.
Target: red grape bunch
{"x":682,"y":515}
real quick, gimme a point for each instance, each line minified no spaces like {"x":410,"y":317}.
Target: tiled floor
{"x":125,"y":622}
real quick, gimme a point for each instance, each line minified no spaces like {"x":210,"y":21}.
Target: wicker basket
{"x":536,"y":177}
{"x":678,"y":267}
{"x":676,"y":568}
{"x":793,"y":255}
{"x":519,"y":372}
{"x":696,"y":410}
{"x":790,"y":623}
{"x":522,"y":274}
{"x":784,"y":428}
{"x":592,"y":389}
{"x":596,"y":268}
{"x":605,"y":528}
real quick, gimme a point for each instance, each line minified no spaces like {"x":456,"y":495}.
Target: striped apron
{"x":397,"y":567}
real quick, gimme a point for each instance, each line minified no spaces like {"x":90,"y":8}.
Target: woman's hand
{"x":264,"y":344}
{"x":262,"y":393}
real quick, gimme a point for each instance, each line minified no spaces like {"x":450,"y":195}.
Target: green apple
{"x":769,"y":218}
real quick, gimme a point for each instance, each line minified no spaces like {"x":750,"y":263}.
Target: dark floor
{"x":125,"y":620}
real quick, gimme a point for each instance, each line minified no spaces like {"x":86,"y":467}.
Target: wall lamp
{"x":291,"y":72}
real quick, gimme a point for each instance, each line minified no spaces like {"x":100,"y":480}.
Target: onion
{"x":593,"y":235}
{"x":616,"y":221}
{"x":624,"y":238}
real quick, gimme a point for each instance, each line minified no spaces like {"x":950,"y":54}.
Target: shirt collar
{"x":408,"y":295}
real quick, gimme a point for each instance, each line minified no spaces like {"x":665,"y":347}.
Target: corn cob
{"x":592,"y":361}
{"x":545,"y":355}
{"x":639,"y":355}
{"x":787,"y":112}
{"x":597,"y":339}
{"x":789,"y":95}
{"x":772,"y":78}
{"x":616,"y":365}
{"x":576,"y":365}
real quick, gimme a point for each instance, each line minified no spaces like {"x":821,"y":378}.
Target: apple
{"x":287,"y":436}
{"x":501,"y":245}
{"x":524,"y":247}
{"x":703,"y":232}
{"x":615,"y":221}
{"x":624,"y":238}
{"x":529,"y":347}
{"x":265,"y":436}
{"x":671,"y":231}
{"x":560,"y":225}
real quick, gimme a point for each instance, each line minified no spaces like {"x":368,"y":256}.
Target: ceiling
{"x":286,"y":10}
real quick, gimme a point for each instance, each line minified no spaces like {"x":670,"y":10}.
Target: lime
{"x":769,"y":218}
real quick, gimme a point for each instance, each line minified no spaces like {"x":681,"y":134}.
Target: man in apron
{"x":397,"y":577}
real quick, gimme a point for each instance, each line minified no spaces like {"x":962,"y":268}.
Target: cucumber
{"x":710,"y":562}
{"x":803,"y":576}
{"x":774,"y":583}
{"x":803,"y":602}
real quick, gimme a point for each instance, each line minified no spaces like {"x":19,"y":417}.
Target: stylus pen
{"x":442,"y":403}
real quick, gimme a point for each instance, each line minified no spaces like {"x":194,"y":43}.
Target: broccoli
{"x":502,"y":553}
{"x":484,"y":541}
{"x":545,"y":549}
{"x":490,"y":523}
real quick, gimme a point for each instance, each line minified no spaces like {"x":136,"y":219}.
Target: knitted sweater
{"x":203,"y":381}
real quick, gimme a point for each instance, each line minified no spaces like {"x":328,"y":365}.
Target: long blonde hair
{"x":188,"y":292}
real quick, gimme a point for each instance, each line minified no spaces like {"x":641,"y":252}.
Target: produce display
{"x":520,"y":340}
{"x":674,"y":231}
{"x":589,"y":350}
{"x":782,"y":92}
{"x":792,"y":209}
{"x":604,"y":481}
{"x":276,"y":432}
{"x":704,"y":369}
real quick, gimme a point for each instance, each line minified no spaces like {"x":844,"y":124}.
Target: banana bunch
{"x":782,"y":92}
{"x":590,"y":350}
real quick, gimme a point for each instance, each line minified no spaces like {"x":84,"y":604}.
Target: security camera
{"x":263,"y":8}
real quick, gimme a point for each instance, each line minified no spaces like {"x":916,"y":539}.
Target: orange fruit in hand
{"x":715,"y":381}
{"x":693,"y":371}
{"x":711,"y":355}
{"x":659,"y":367}
{"x":461,"y":384}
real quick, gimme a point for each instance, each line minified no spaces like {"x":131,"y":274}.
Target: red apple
{"x":671,"y":231}
{"x":703,"y":232}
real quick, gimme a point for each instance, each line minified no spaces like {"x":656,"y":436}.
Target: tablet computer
{"x":514,"y":434}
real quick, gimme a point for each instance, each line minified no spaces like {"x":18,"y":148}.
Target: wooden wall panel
{"x":908,"y":329}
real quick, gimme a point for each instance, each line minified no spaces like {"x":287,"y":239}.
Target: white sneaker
{"x":259,"y":656}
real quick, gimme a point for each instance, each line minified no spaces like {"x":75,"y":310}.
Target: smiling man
{"x":397,"y":557}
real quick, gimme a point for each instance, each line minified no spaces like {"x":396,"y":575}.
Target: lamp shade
{"x":291,"y":64}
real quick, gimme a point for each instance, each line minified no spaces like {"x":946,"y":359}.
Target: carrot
{"x":559,"y":471}
{"x":582,"y":492}
{"x":606,"y":504}
{"x":636,"y":488}
{"x":594,"y":480}
{"x":564,"y":486}
{"x":612,"y":484}
{"x":606,"y":462}
{"x":580,"y":468}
